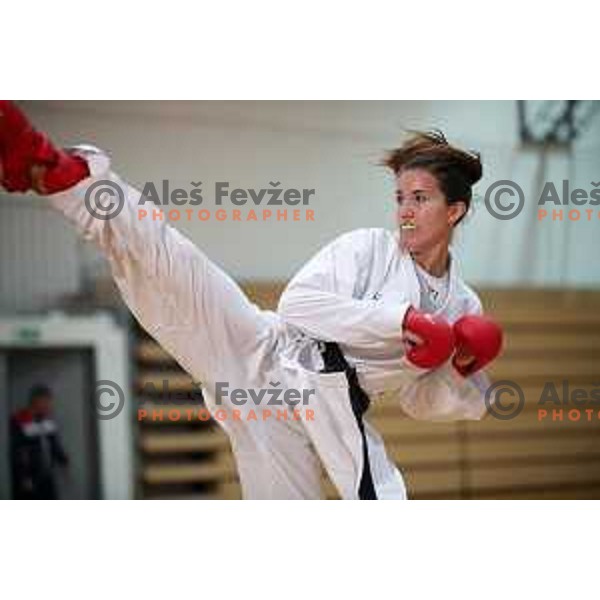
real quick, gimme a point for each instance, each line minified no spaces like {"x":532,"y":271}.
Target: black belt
{"x":335,"y":362}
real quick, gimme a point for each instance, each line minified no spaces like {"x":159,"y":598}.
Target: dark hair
{"x":456,"y":170}
{"x":39,"y":390}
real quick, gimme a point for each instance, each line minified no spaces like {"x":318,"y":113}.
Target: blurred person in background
{"x":36,"y":448}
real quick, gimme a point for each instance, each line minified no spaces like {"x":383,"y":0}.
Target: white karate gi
{"x":355,"y":292}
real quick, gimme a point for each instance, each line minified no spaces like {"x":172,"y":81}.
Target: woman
{"x":372,"y":313}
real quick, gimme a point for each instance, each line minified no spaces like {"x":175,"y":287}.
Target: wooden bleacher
{"x":551,"y":335}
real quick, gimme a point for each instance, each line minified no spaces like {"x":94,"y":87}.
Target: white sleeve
{"x":157,"y":269}
{"x":443,"y":394}
{"x":323,"y":298}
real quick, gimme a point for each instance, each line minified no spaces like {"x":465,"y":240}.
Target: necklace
{"x":433,"y":288}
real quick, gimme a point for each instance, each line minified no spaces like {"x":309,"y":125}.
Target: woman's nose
{"x":407,"y":212}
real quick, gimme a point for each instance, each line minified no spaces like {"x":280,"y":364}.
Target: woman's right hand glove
{"x":428,"y":340}
{"x":478,"y":342}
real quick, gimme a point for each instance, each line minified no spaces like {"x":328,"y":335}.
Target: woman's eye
{"x":420,"y":198}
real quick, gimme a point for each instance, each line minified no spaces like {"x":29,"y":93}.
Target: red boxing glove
{"x":478,"y":342}
{"x":429,"y":339}
{"x":22,"y":148}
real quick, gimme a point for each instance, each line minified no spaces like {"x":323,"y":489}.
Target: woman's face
{"x":424,"y":217}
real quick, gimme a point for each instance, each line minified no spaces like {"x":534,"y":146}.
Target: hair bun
{"x":472,"y":167}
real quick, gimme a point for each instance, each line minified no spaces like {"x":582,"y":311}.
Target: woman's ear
{"x":456,"y":211}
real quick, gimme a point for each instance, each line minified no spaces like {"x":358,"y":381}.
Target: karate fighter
{"x":373,"y":313}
